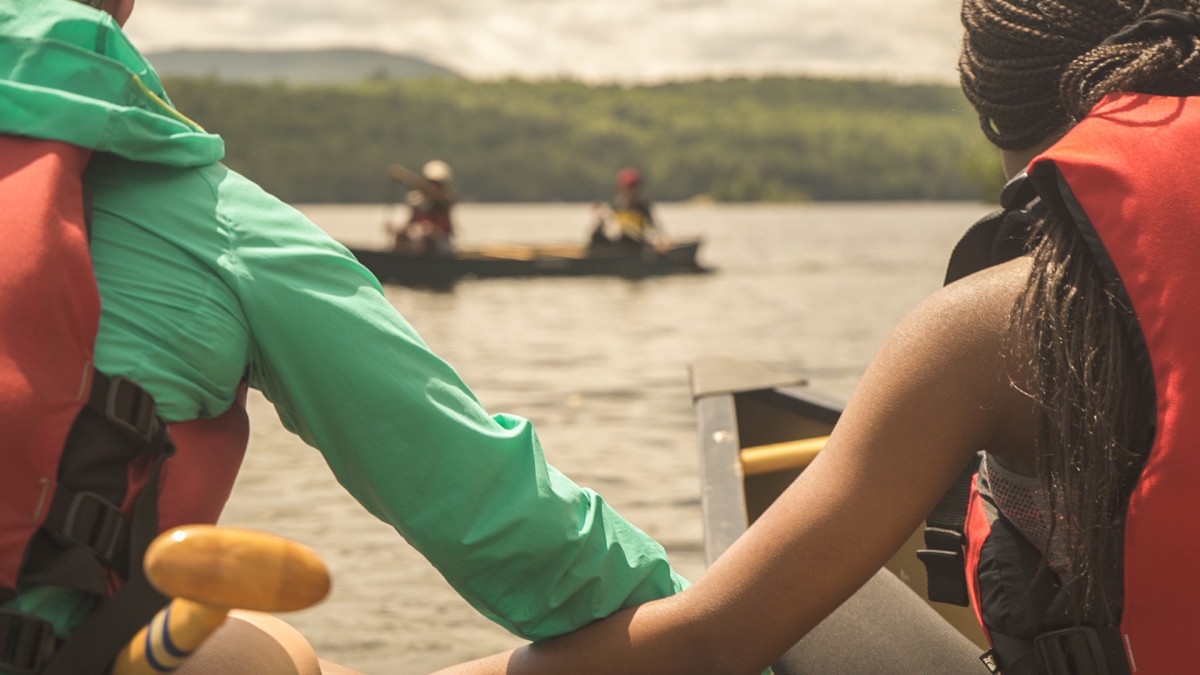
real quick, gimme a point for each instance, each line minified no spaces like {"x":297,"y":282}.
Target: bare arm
{"x":403,"y":175}
{"x":935,"y":394}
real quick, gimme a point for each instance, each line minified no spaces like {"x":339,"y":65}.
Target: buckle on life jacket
{"x":94,"y":522}
{"x":944,"y":554}
{"x":129,"y":407}
{"x":1079,"y":649}
{"x":88,"y":519}
{"x":945,"y":563}
{"x":27,"y":642}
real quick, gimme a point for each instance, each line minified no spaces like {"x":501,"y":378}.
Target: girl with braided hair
{"x":1065,"y":365}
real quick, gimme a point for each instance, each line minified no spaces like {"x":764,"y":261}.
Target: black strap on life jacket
{"x":85,"y":535}
{"x":27,"y":642}
{"x":1076,"y":650}
{"x":944,"y":556}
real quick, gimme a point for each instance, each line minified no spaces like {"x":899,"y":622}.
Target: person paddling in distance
{"x":429,"y":229}
{"x":1067,"y":360}
{"x":632,"y":214}
{"x":208,"y":285}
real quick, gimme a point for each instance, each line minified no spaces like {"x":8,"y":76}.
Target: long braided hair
{"x":1032,"y":69}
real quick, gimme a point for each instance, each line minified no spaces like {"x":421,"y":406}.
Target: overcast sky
{"x":634,"y":40}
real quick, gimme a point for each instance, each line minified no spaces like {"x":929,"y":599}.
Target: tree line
{"x":747,"y":139}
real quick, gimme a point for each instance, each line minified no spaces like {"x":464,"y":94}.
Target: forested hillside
{"x":304,"y":67}
{"x":728,"y":140}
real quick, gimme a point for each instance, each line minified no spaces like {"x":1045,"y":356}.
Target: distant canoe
{"x":515,"y":260}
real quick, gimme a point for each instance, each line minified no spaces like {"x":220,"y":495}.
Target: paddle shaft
{"x":171,"y":636}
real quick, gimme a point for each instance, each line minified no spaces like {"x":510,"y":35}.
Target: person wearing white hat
{"x":430,"y":228}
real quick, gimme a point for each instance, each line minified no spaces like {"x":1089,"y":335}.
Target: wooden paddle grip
{"x":210,"y":570}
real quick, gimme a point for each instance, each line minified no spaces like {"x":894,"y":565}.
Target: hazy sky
{"x":591,"y":39}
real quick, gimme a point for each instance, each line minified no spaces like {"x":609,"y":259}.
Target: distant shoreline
{"x":294,"y":66}
{"x":781,"y":140}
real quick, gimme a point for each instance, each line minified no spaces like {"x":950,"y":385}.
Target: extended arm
{"x":936,"y":393}
{"x":405,"y":176}
{"x":471,"y":491}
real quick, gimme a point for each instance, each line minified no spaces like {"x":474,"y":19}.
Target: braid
{"x":1168,"y":67}
{"x":1092,"y":440}
{"x":1032,"y":69}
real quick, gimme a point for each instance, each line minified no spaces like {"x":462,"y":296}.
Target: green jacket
{"x":205,"y":277}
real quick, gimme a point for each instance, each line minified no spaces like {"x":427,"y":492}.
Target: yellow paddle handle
{"x":761,"y":459}
{"x":209,"y":570}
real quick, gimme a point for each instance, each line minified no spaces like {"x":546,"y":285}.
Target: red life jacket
{"x":1125,"y":175}
{"x":79,"y":447}
{"x":437,"y":214}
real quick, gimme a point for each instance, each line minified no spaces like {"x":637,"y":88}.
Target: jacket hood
{"x":68,"y":73}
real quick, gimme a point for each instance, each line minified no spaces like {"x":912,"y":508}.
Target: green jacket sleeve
{"x":401,"y":431}
{"x":471,"y":491}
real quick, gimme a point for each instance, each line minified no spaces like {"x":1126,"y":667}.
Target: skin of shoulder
{"x":938,"y":391}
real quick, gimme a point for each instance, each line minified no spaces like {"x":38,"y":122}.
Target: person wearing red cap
{"x":632,"y":213}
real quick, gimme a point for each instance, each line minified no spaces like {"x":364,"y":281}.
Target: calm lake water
{"x":600,"y":367}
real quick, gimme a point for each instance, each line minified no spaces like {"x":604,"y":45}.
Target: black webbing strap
{"x":93,"y":646}
{"x":1086,"y":650}
{"x":27,"y":642}
{"x":944,"y":556}
{"x":120,"y":424}
{"x":128,"y":407}
{"x":1078,"y":650}
{"x":88,"y":519}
